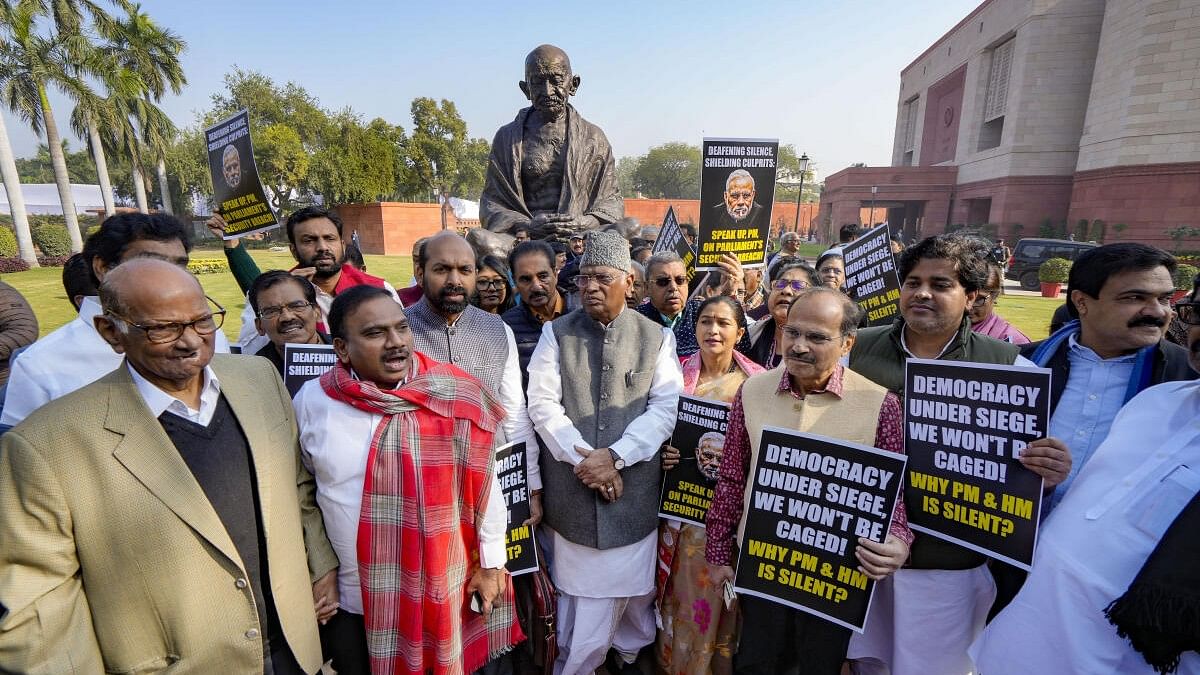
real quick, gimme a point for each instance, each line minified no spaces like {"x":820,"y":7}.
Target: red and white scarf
{"x":427,"y":482}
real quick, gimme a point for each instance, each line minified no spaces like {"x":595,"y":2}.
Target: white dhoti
{"x":923,"y":621}
{"x":606,"y":600}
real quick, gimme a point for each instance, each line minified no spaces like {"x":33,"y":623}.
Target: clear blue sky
{"x":823,"y":75}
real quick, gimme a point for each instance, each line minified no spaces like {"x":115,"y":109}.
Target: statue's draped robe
{"x":589,"y":182}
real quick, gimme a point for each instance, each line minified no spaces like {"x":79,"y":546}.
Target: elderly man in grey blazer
{"x":603,"y":386}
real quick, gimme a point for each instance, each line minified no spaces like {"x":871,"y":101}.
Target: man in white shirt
{"x":603,"y":386}
{"x":75,"y":354}
{"x":347,"y":421}
{"x":1100,"y":535}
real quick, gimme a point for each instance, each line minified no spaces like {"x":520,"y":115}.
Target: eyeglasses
{"x":663,"y":282}
{"x":796,"y":284}
{"x":162,"y":333}
{"x":491,"y":284}
{"x":1188,"y":312}
{"x":275,"y":311}
{"x":811,"y":337}
{"x":984,"y":296}
{"x":585,"y":280}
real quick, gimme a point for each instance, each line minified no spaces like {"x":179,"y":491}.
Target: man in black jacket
{"x":532,"y":265}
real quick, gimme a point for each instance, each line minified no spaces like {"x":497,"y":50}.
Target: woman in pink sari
{"x":984,"y":318}
{"x":699,"y":635}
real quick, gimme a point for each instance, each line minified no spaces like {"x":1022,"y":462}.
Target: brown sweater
{"x":18,"y":326}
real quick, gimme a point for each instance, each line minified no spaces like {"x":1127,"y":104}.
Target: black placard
{"x":812,"y":497}
{"x":737,"y":192}
{"x":302,"y":363}
{"x":964,"y":426}
{"x":513,"y":474}
{"x":671,"y":239}
{"x":871,"y":275}
{"x":237,"y":192}
{"x":700,"y":438}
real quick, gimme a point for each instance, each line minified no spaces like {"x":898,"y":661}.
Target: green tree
{"x":38,"y":169}
{"x":669,"y":171}
{"x":439,"y":156}
{"x":788,"y":178}
{"x":358,"y":165}
{"x":625,"y":168}
{"x":33,"y":59}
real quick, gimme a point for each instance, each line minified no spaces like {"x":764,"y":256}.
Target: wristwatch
{"x":618,"y":463}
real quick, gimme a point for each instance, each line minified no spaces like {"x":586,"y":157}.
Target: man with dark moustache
{"x":551,"y":172}
{"x":158,"y":518}
{"x":285,"y":311}
{"x":738,"y":209}
{"x":667,"y":286}
{"x":532,"y":265}
{"x":413,"y":552}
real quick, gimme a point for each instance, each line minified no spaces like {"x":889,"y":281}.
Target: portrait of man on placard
{"x":231,"y":166}
{"x":738,"y":208}
{"x":708,"y":454}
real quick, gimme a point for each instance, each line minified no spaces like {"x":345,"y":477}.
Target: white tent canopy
{"x":42,"y":198}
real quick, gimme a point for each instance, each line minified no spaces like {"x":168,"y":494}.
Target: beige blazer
{"x":113,"y":560}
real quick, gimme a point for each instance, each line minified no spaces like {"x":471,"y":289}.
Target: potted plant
{"x":1183,"y":277}
{"x":1053,"y":274}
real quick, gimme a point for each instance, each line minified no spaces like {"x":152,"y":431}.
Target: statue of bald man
{"x":551,"y":172}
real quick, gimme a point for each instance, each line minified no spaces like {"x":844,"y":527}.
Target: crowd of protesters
{"x":166,"y":506}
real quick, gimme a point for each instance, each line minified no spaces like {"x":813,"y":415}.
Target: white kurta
{"x":1096,"y":540}
{"x":581,"y":570}
{"x":335,"y":439}
{"x":67,"y":359}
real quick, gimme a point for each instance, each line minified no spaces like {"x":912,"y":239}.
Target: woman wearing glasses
{"x":984,"y":318}
{"x":699,"y":633}
{"x":493,"y":290}
{"x":788,"y":279}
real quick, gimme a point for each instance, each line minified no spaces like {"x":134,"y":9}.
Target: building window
{"x":996,"y":101}
{"x":910,"y":129}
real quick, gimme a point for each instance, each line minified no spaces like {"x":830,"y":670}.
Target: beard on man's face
{"x":444,"y":304}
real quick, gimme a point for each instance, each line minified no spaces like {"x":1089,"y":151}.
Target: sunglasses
{"x":1188,"y":312}
{"x":663,"y":282}
{"x":796,"y":284}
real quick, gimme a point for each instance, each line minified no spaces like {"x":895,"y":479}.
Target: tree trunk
{"x":16,"y":200}
{"x":106,"y":191}
{"x":139,"y":188}
{"x":164,"y":187}
{"x":60,"y":173}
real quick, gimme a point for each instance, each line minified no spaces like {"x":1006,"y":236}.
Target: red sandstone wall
{"x":1149,"y":198}
{"x":390,"y":228}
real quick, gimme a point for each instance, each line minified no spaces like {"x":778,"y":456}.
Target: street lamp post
{"x":874,"y":191}
{"x":803,"y":169}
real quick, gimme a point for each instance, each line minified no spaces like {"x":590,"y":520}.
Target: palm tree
{"x":91,"y":114}
{"x":29,"y":63}
{"x":143,"y":47}
{"x":16,"y":200}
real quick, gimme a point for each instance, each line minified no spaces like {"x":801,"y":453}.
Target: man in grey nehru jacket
{"x":603,"y":385}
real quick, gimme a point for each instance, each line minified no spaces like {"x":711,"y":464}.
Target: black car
{"x":1029,"y":254}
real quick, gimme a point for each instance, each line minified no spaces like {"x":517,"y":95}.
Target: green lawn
{"x":43,"y":287}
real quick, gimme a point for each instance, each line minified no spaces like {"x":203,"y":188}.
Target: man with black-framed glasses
{"x":667,"y":288}
{"x":135,"y":510}
{"x":286,"y":312}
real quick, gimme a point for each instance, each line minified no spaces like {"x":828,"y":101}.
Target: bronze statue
{"x":551,"y":172}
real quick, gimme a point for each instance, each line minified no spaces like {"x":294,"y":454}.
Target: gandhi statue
{"x":551,"y":172}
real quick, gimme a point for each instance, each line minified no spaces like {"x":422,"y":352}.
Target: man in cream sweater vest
{"x":813,"y":393}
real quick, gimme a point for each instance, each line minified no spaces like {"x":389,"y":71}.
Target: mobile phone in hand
{"x":476,"y":602}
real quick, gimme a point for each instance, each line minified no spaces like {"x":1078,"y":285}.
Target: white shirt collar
{"x":89,"y":309}
{"x":904,"y":344}
{"x":160,"y":401}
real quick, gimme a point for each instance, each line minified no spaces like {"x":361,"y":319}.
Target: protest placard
{"x":700,"y":438}
{"x":871,"y":275}
{"x":671,"y":240}
{"x":812,"y":497}
{"x":237,"y":192}
{"x":737,"y":191}
{"x":302,"y":363}
{"x":965,"y":425}
{"x":513,"y":474}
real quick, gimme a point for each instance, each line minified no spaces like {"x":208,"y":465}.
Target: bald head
{"x":141,"y":281}
{"x":447,"y":273}
{"x":549,"y":81}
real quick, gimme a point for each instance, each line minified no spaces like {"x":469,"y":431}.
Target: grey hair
{"x":734,"y":175}
{"x":229,"y":150}
{"x":661,"y":258}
